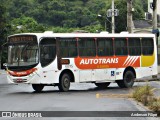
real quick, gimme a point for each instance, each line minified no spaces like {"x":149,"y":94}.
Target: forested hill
{"x":62,"y":14}
{"x":66,"y":13}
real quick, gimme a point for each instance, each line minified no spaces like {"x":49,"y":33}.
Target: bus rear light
{"x":22,"y":73}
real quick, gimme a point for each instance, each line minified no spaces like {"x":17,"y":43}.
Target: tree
{"x":3,"y":24}
{"x":3,"y":32}
{"x":69,"y":14}
{"x":144,"y":3}
{"x":26,"y":24}
{"x":120,"y":20}
{"x":62,"y":13}
{"x":139,"y":9}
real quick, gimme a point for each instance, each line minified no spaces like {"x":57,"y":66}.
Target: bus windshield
{"x":22,"y":52}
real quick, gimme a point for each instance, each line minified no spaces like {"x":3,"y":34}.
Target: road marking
{"x":99,"y":95}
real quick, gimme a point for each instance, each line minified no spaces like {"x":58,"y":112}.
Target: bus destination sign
{"x":24,"y":38}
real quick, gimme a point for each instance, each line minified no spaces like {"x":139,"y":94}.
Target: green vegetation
{"x":3,"y":24}
{"x":19,"y":16}
{"x":26,"y":24}
{"x":155,"y":106}
{"x":65,"y":15}
{"x":145,"y":95}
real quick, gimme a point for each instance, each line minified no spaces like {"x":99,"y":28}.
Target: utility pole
{"x":154,"y":21}
{"x":129,"y":16}
{"x":113,"y":21}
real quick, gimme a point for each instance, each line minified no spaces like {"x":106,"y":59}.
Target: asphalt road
{"x":81,"y":97}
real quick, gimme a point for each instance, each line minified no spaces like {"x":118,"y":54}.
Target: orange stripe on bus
{"x":107,"y":62}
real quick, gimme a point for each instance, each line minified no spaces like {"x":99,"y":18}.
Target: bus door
{"x":48,"y":57}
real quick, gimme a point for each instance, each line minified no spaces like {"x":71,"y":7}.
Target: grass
{"x":155,"y":106}
{"x":145,"y":95}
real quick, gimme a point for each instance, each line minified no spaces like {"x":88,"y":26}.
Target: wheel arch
{"x":129,"y":68}
{"x":69,"y":72}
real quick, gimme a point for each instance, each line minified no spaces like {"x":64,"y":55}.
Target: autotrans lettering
{"x":107,"y":62}
{"x":99,"y":61}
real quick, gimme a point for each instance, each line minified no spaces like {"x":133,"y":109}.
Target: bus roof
{"x":73,"y":35}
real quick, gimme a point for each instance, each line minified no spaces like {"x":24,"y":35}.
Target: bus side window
{"x":87,"y":47}
{"x":147,"y":46}
{"x":121,"y":46}
{"x":105,"y":46}
{"x":134,"y":45}
{"x":68,"y":47}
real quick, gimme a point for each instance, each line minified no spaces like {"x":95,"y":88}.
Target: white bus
{"x":57,"y":59}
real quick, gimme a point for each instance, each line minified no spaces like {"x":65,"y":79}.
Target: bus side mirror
{"x":4,"y":66}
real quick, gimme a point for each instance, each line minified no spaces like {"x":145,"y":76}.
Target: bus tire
{"x":102,"y":85}
{"x":128,"y":80}
{"x":38,"y":87}
{"x":64,"y":82}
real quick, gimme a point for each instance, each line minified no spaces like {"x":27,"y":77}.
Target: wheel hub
{"x":66,"y":82}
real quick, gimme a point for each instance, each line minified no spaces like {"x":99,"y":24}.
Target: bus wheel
{"x":102,"y":85}
{"x":128,"y":80}
{"x":64,"y":82}
{"x":38,"y":87}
